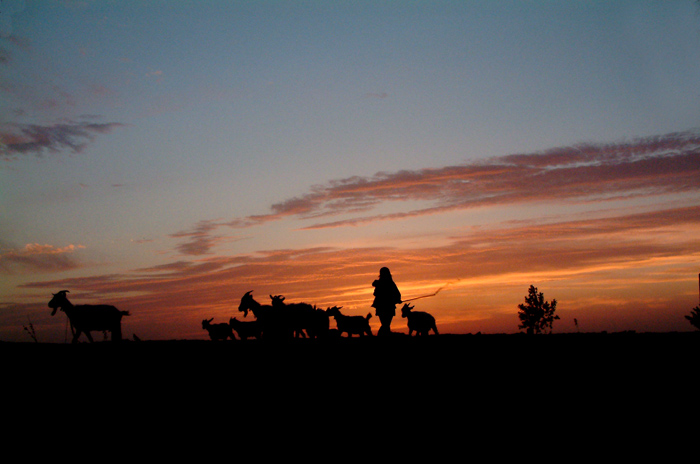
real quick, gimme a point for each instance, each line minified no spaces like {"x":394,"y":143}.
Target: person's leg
{"x":385,"y":328}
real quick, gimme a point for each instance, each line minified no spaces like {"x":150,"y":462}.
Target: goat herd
{"x":278,"y":320}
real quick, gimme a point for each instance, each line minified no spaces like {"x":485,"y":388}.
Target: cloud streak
{"x":585,"y":173}
{"x":36,"y":139}
{"x":511,"y":247}
{"x":582,"y":173}
{"x":199,"y":239}
{"x":35,"y":257}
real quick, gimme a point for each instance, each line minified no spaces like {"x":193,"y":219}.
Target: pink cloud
{"x":201,"y":239}
{"x":35,"y":257}
{"x":585,"y":173}
{"x":581,"y":174}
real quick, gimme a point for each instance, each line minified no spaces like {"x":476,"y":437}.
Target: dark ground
{"x":466,"y":387}
{"x":398,"y":357}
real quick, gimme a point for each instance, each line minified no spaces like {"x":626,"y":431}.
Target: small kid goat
{"x":419,"y":321}
{"x":220,"y":331}
{"x":351,"y":324}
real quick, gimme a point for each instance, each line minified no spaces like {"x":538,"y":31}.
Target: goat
{"x":271,"y":319}
{"x":298,"y":316}
{"x":87,"y":318}
{"x":246,"y":329}
{"x":419,"y":321}
{"x":219,"y":331}
{"x":351,"y":324}
{"x":320,"y":324}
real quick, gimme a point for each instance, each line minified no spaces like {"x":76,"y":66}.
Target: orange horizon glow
{"x":481,"y":286}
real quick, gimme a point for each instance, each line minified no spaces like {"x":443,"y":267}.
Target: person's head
{"x":384,"y":273}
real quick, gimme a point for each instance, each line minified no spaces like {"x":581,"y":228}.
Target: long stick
{"x":427,"y":296}
{"x":419,"y":297}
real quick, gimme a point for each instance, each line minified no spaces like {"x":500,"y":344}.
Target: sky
{"x":169,"y":156}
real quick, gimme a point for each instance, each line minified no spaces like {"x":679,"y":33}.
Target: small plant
{"x":30,"y":330}
{"x":694,"y":317}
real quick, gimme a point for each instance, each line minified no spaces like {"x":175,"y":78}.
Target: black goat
{"x":351,"y":324}
{"x":299,"y":317}
{"x":88,"y":318}
{"x":273,"y":322}
{"x":320,"y":324}
{"x":419,"y":321}
{"x":219,"y":331}
{"x":245,"y":329}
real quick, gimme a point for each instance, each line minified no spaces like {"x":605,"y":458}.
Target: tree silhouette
{"x":536,"y":315}
{"x":694,"y":317}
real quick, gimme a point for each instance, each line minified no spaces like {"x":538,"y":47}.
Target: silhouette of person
{"x":386,"y":297}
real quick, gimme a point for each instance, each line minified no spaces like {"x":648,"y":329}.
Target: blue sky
{"x":170,"y":134}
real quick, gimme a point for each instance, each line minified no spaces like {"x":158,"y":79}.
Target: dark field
{"x":311,"y":381}
{"x":461,"y":386}
{"x":442,"y":358}
{"x":345,"y":397}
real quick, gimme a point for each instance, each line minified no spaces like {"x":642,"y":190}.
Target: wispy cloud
{"x":201,"y":239}
{"x":582,"y":173}
{"x":586,"y":173}
{"x":35,"y":257}
{"x":35,"y":139}
{"x":566,"y":246}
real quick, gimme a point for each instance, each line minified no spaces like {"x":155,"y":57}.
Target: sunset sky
{"x":168,"y":156}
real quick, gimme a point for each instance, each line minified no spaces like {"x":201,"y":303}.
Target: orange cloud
{"x":38,"y":258}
